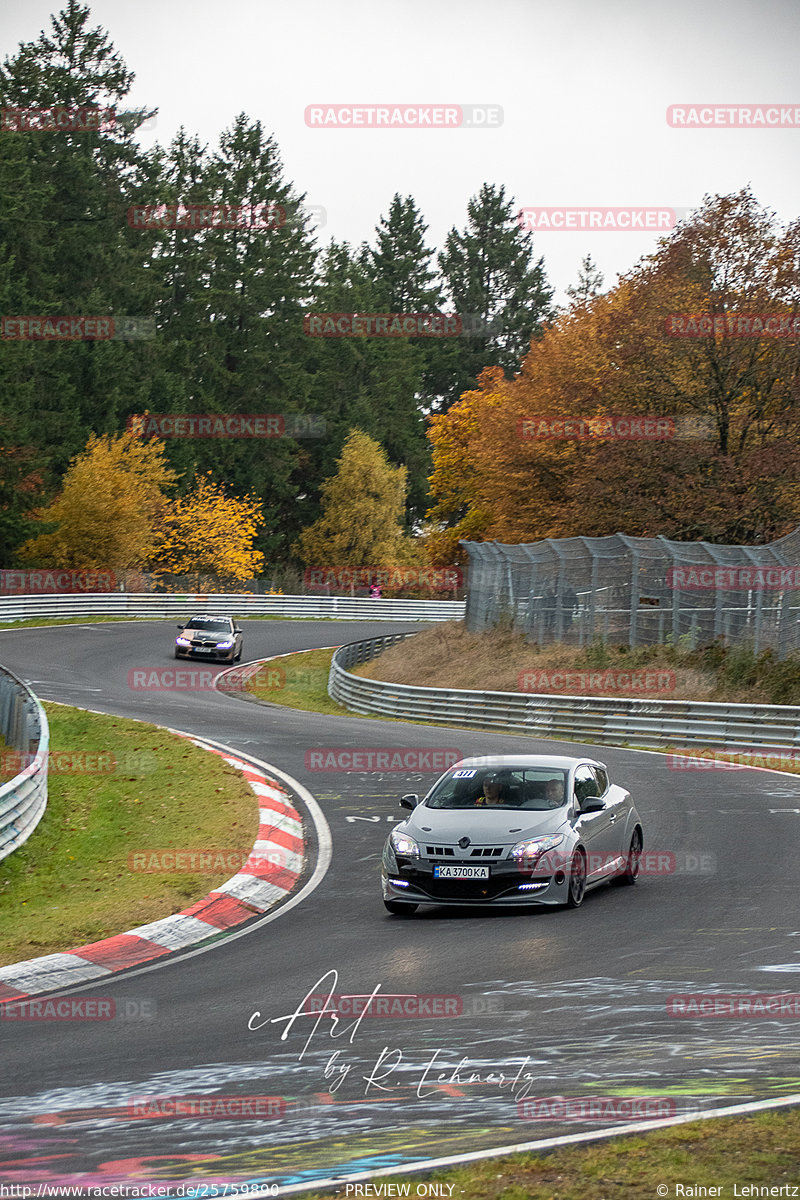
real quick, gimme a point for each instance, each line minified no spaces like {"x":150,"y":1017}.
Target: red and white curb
{"x":269,"y":875}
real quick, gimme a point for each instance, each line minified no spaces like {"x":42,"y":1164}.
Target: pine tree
{"x":372,"y":383}
{"x":589,"y":285}
{"x":232,"y":316}
{"x":65,"y":240}
{"x":492,"y":279}
{"x":399,"y":264}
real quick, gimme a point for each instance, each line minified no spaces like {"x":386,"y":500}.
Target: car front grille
{"x":476,"y":852}
{"x":467,"y":889}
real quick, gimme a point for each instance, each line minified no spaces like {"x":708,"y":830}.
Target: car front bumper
{"x":506,"y":885}
{"x":213,"y":655}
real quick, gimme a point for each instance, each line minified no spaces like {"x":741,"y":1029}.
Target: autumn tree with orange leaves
{"x":207,"y":532}
{"x":729,"y":469}
{"x":113,"y":494}
{"x":114,"y":511}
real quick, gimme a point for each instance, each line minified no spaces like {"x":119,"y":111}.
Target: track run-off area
{"x":493,"y":1025}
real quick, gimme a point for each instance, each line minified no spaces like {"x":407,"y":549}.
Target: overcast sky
{"x":584,"y":87}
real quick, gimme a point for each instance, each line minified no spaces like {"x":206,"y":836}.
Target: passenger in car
{"x":554,"y":793}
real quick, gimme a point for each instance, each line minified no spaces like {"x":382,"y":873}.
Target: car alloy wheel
{"x":577,"y":880}
{"x":630,"y":874}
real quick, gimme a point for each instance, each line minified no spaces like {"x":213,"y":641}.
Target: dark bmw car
{"x":527,"y":830}
{"x":210,"y":637}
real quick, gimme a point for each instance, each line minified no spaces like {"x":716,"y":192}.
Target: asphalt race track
{"x":547,"y":1003}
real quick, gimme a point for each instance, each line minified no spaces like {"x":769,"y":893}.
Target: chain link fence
{"x":638,"y":591}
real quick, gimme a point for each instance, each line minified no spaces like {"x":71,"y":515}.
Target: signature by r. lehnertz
{"x":432,"y":1075}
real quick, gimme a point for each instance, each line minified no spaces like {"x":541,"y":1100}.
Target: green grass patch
{"x":31,"y":622}
{"x":118,"y":787}
{"x":297,"y":681}
{"x":722,"y":1152}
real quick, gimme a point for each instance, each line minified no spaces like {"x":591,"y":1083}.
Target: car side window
{"x":585,"y":784}
{"x":602,"y":780}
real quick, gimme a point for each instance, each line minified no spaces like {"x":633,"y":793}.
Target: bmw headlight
{"x":403,"y":845}
{"x":533,"y":848}
{"x":181,"y":641}
{"x":225,"y":645}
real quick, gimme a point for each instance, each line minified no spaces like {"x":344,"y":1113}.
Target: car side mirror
{"x":181,"y":627}
{"x":592,"y":804}
{"x":410,"y":800}
{"x":237,"y":629}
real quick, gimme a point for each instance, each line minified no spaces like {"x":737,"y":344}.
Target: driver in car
{"x":491,"y":791}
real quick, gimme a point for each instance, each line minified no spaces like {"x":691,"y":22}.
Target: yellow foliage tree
{"x":362,"y":507}
{"x":209,"y":532}
{"x":112,"y":495}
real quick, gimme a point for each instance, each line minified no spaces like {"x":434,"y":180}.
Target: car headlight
{"x":533,"y":848}
{"x":225,"y":645}
{"x":403,"y":845}
{"x":182,"y":642}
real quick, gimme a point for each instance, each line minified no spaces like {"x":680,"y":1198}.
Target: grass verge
{"x":117,"y":788}
{"x":723,"y":1153}
{"x":297,"y":681}
{"x":502,"y":661}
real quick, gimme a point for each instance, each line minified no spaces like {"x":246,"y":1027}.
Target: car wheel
{"x":400,"y":909}
{"x":177,"y":655}
{"x":577,"y":880}
{"x":238,"y":656}
{"x":631,"y":873}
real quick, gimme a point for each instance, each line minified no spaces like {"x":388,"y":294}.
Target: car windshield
{"x":532,"y":788}
{"x":211,"y":624}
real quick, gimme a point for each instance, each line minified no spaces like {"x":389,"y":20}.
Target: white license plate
{"x":461,"y":872}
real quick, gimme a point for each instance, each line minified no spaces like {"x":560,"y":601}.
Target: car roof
{"x":499,"y":761}
{"x":210,"y":617}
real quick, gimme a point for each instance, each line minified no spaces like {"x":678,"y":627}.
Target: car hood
{"x":204,"y":637}
{"x":482,"y":826}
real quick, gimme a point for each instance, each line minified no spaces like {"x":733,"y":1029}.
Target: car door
{"x":597,"y":829}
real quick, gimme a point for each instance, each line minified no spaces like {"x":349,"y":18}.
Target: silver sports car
{"x":528,"y":829}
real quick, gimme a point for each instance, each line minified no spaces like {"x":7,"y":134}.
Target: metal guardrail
{"x":157,"y":604}
{"x":24,"y":727}
{"x":613,"y":721}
